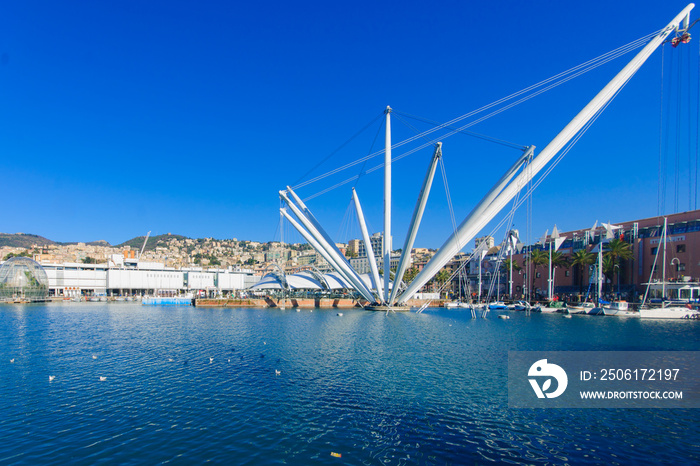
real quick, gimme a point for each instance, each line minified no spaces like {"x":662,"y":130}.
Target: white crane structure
{"x":510,"y":184}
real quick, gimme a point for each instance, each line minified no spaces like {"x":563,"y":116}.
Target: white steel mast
{"x":474,"y":223}
{"x":387,"y":204}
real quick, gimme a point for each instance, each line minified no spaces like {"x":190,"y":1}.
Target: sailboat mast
{"x":663,"y":266}
{"x":387,"y":204}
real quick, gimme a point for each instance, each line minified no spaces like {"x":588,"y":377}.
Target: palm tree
{"x":608,"y":269}
{"x":582,"y":259}
{"x":560,"y":260}
{"x":618,"y":250}
{"x":537,"y":257}
{"x":505,"y":265}
{"x":442,"y":276}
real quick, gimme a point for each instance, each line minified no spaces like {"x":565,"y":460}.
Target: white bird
{"x":211,"y":360}
{"x":94,"y":356}
{"x":51,"y":377}
{"x":229,"y":360}
{"x":277,"y":372}
{"x":102,"y":379}
{"x":170,"y":359}
{"x":12,"y":360}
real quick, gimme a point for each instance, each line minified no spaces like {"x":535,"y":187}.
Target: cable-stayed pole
{"x":368,"y":244}
{"x":386,"y":250}
{"x":338,"y":263}
{"x":415,"y":221}
{"x":471,"y":225}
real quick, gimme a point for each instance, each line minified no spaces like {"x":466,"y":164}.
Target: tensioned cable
{"x":577,"y":70}
{"x":484,"y":137}
{"x":340,"y":147}
{"x":659,"y":190}
{"x":534,"y":185}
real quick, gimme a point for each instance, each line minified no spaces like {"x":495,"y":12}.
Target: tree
{"x":618,"y":250}
{"x":410,"y":274}
{"x":582,"y":259}
{"x":536,"y":257}
{"x":89,"y":260}
{"x":505,"y":265}
{"x":442,"y":276}
{"x":560,"y":260}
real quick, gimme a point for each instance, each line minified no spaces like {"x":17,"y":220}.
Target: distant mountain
{"x":153,"y":241}
{"x":23,"y":240}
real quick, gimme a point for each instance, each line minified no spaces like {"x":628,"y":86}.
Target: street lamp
{"x":678,"y":263}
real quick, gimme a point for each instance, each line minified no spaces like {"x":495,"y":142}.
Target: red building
{"x":682,"y":263}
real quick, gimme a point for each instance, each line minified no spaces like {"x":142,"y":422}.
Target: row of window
{"x":679,"y":249}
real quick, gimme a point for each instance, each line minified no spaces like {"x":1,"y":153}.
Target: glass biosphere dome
{"x":23,"y":278}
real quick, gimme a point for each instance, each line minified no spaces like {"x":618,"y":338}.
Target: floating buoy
{"x":567,"y":316}
{"x":340,"y":314}
{"x":336,"y":455}
{"x":503,"y":317}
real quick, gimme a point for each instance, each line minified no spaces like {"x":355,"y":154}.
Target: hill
{"x":153,"y":241}
{"x":23,"y":240}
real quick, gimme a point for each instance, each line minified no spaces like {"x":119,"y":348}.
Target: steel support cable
{"x":340,"y":147}
{"x":484,"y":137}
{"x":690,"y":144}
{"x":591,"y":64}
{"x":697,"y":135}
{"x":679,"y":109}
{"x":534,"y":185}
{"x":659,"y":190}
{"x":429,"y":143}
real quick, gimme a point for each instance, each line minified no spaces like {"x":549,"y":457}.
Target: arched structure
{"x":22,"y":278}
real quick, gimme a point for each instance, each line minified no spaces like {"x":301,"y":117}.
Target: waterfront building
{"x":133,"y":278}
{"x":628,"y":278}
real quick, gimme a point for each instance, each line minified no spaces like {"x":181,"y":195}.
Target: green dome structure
{"x":23,"y":279}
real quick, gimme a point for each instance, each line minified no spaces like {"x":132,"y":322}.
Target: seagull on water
{"x":277,"y":372}
{"x":94,"y":356}
{"x":102,"y":379}
{"x":51,"y":377}
{"x":211,"y":360}
{"x":12,"y":360}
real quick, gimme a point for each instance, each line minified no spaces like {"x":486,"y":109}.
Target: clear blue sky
{"x":187,"y":117}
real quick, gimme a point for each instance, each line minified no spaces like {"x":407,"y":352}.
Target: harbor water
{"x":139,"y":384}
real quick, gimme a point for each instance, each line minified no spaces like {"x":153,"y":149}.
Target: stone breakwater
{"x":288,"y":303}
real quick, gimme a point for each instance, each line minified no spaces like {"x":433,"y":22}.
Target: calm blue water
{"x":400,"y":389}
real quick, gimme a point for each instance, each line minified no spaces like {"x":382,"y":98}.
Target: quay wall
{"x":289,"y":303}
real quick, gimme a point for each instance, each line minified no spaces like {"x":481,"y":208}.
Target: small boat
{"x":619,"y":309}
{"x":498,"y":306}
{"x":552,"y":306}
{"x":519,"y":306}
{"x":580,"y":308}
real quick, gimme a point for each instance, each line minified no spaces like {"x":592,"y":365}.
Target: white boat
{"x":669,"y":312}
{"x":580,"y":308}
{"x":498,"y":306}
{"x":519,"y":306}
{"x":619,"y":309}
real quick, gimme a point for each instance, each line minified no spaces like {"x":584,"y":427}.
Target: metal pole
{"x":474,"y":223}
{"x":387,"y":205}
{"x":415,"y":221}
{"x":368,"y":243}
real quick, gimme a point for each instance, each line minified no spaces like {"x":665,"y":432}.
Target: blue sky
{"x":187,"y":117}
